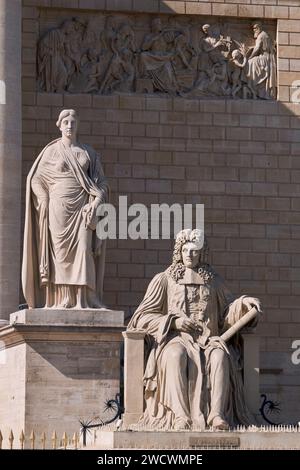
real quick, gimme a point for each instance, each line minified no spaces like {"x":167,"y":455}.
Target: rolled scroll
{"x":240,"y":324}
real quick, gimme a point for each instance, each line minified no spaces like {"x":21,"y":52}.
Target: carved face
{"x":69,"y":126}
{"x":236,"y":55}
{"x":206,"y":29}
{"x":256,"y":30}
{"x":190,"y":253}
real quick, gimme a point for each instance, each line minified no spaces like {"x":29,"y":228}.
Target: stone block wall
{"x":241,"y":158}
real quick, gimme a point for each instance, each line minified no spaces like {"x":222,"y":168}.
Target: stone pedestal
{"x":58,"y":367}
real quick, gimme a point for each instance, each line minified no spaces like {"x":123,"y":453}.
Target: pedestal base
{"x":58,"y":367}
{"x":188,"y":440}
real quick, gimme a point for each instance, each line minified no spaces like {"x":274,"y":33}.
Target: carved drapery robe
{"x":261,"y":69}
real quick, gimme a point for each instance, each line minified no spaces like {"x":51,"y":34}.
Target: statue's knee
{"x":177,"y":355}
{"x":219,"y":355}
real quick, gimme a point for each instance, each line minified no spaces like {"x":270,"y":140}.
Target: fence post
{"x":43,"y":440}
{"x":65,"y":440}
{"x":54,"y":440}
{"x":11,"y":440}
{"x":22,"y":439}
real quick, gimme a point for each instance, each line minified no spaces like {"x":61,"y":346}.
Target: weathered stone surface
{"x":67,"y":317}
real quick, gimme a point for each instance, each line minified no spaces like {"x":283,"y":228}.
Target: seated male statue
{"x":192,"y":377}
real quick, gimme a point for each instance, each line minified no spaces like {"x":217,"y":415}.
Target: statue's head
{"x":68,"y":122}
{"x":257,"y":28}
{"x":190,"y":247}
{"x":236,"y":54}
{"x":206,"y":29}
{"x":190,"y":251}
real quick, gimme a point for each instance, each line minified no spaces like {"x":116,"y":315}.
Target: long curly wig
{"x":177,"y":268}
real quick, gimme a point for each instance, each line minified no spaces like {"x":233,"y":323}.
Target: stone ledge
{"x":69,"y":325}
{"x":68,"y":317}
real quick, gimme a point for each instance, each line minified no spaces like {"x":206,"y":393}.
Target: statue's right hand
{"x":186,"y":325}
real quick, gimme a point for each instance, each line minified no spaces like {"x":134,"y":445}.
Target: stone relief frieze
{"x":177,"y":56}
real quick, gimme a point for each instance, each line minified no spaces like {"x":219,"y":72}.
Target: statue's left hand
{"x":218,"y":342}
{"x":250,"y":302}
{"x":89,"y":213}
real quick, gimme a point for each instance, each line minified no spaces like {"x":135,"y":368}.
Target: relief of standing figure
{"x":262,"y":65}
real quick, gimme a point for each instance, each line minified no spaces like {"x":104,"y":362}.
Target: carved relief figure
{"x":63,"y":260}
{"x":73,"y":32}
{"x":108,"y":34}
{"x":120,"y":73}
{"x":184,"y":61}
{"x":185,"y":53}
{"x":239,"y":74}
{"x":93,"y":70}
{"x":156,"y":59}
{"x":52,"y":70}
{"x":261,"y":64}
{"x":212,"y":64}
{"x":192,"y":377}
{"x":107,"y":37}
{"x":212,"y":45}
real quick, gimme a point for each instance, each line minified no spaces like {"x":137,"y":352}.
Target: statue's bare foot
{"x":181,"y":424}
{"x":219,"y":424}
{"x":66,"y":305}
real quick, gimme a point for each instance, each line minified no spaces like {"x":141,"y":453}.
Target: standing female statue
{"x":63,"y":260}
